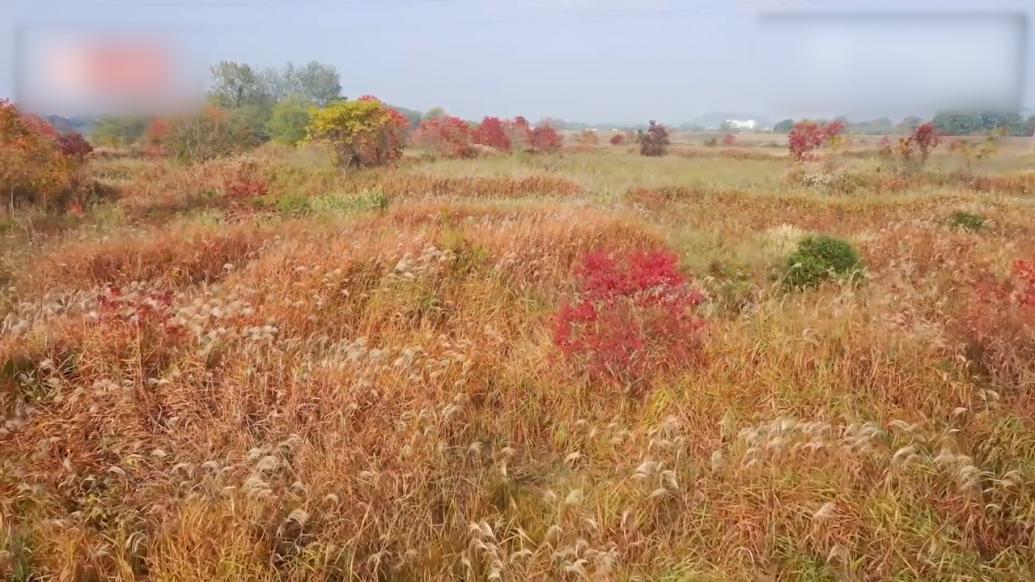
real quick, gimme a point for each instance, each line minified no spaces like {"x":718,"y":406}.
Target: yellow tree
{"x":364,"y":132}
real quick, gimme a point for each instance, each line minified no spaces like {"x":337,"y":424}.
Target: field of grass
{"x":356,"y":376}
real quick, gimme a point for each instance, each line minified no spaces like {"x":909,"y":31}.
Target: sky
{"x":595,"y":61}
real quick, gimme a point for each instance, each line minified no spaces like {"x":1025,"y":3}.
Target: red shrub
{"x":617,"y":139}
{"x":924,"y":139}
{"x":154,"y":138}
{"x":490,"y":132}
{"x":1024,"y":272}
{"x":634,"y":315}
{"x":808,"y":136}
{"x":654,"y":142}
{"x":729,"y":140}
{"x":446,"y":136}
{"x":545,"y":139}
{"x":997,"y":326}
{"x":246,"y":182}
{"x":73,"y":145}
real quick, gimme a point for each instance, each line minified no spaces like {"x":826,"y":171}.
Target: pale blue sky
{"x":594,"y":61}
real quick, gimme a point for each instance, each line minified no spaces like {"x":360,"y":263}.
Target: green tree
{"x":435,"y":113}
{"x":235,"y":85}
{"x":289,"y":119}
{"x":783,"y":126}
{"x":314,"y":82}
{"x":365,"y":132}
{"x":979,"y":122}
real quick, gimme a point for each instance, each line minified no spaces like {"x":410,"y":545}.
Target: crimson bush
{"x":635,"y":313}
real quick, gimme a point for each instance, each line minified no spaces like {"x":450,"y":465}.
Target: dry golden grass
{"x":375,"y":394}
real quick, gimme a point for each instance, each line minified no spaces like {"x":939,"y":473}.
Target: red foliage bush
{"x":808,"y":136}
{"x":617,"y":139}
{"x":545,"y":140}
{"x":654,"y":142}
{"x":246,"y":182}
{"x":73,"y":145}
{"x":997,"y":325}
{"x":729,"y":140}
{"x":635,"y":314}
{"x":1024,"y":272}
{"x":491,"y":132}
{"x":446,"y":136}
{"x":154,"y":138}
{"x":924,"y":139}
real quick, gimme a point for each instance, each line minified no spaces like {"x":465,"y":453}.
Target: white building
{"x":748,"y":124}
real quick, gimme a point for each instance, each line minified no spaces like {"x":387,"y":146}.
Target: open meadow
{"x":590,"y":365}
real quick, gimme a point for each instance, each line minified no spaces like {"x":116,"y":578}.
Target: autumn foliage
{"x":449,"y":137}
{"x":808,"y":136}
{"x":617,"y":139}
{"x":33,"y":164}
{"x":492,"y":133}
{"x":545,"y":140}
{"x":364,"y":132}
{"x":924,"y":139}
{"x":654,"y":142}
{"x":634,"y":312}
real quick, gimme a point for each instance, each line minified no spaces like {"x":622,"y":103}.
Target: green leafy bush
{"x":820,"y":258}
{"x":967,"y":221}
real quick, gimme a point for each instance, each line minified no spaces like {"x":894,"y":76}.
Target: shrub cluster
{"x":967,"y":221}
{"x":363,"y":132}
{"x":454,"y":138}
{"x":37,"y":163}
{"x":808,"y":136}
{"x":654,"y":142}
{"x":635,"y":312}
{"x":821,"y":258}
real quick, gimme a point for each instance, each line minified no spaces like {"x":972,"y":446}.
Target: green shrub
{"x":819,"y":258}
{"x":967,"y":221}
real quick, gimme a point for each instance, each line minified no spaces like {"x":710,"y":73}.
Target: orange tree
{"x":31,"y":164}
{"x":364,"y":132}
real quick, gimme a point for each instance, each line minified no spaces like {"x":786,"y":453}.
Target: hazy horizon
{"x":611,"y":61}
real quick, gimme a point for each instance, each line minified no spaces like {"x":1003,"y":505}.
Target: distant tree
{"x":808,"y":136}
{"x":435,"y":113}
{"x":654,"y":142}
{"x":288,"y":120}
{"x":908,"y":124}
{"x":364,"y":132}
{"x":491,"y":132}
{"x":413,"y":117}
{"x":314,"y":82}
{"x":982,"y":122}
{"x":450,"y":137}
{"x":545,"y":139}
{"x":783,"y":126}
{"x":235,"y":85}
{"x":923,"y":140}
